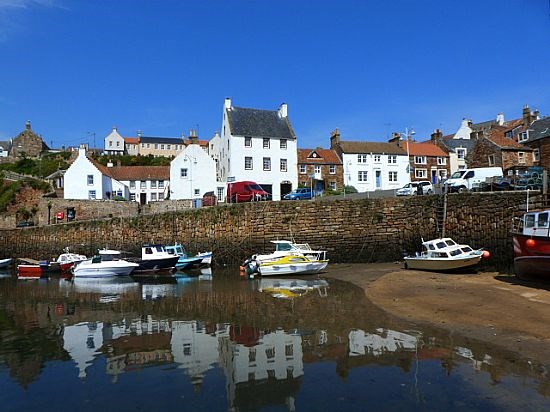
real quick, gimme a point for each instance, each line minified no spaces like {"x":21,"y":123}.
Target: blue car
{"x":302,"y":193}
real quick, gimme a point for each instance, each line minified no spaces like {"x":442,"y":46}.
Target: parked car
{"x":412,"y":188}
{"x":302,"y":193}
{"x":246,"y":191}
{"x":25,"y":223}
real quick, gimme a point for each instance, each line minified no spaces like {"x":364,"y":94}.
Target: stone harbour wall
{"x":360,"y":230}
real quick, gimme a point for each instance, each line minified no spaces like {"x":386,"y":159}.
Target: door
{"x":378,"y":179}
{"x":142,"y":198}
{"x":286,"y":187}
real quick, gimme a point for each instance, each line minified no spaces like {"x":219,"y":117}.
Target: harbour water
{"x":215,"y":341}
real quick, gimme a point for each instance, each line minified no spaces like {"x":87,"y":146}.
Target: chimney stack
{"x":527,"y":115}
{"x":228,"y":105}
{"x":437,"y":135}
{"x":28,"y":125}
{"x":283,"y":110}
{"x":334,"y":138}
{"x":500,"y":119}
{"x":193,"y":138}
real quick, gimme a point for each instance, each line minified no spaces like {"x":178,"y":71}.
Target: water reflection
{"x":293,"y":344}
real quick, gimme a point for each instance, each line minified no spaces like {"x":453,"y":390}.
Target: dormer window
{"x":283,"y":144}
{"x":266,"y":142}
{"x":247,"y":142}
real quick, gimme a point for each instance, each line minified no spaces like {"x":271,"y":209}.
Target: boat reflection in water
{"x":233,"y":344}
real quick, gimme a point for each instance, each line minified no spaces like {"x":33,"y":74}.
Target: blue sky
{"x":75,"y":68}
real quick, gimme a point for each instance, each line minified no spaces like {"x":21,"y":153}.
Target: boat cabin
{"x":534,"y":224}
{"x":444,"y":248}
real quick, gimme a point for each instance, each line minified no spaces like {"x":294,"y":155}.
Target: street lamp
{"x":407,"y":135}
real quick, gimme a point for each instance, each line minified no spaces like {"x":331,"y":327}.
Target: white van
{"x":470,"y":179}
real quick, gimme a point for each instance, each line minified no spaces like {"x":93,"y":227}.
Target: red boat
{"x":531,"y":238}
{"x":30,"y":271}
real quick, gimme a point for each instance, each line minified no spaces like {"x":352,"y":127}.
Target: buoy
{"x":486,"y":254}
{"x":530,"y":242}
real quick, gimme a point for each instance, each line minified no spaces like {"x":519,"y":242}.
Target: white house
{"x":87,"y":179}
{"x":114,"y":143}
{"x":214,"y":151}
{"x":192,"y":174}
{"x":259,"y":145}
{"x":370,"y":166}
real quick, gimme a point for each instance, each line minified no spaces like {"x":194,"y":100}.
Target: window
{"x":143,"y":184}
{"x":266,"y":142}
{"x":461,"y":153}
{"x":523,"y":136}
{"x":361,"y":158}
{"x":132,"y":197}
{"x":491,"y":159}
{"x":282,"y":144}
{"x":153,"y":197}
{"x":283,"y":165}
{"x":91,"y":194}
{"x":332,"y":185}
{"x":161,"y":196}
{"x":521,"y":157}
{"x":110,"y":143}
{"x":441,"y":160}
{"x":392,"y":158}
{"x":117,"y":144}
{"x":183,"y":172}
{"x":317,"y":169}
{"x":90,"y":180}
{"x":161,"y":184}
{"x":148,"y":145}
{"x":197,"y":192}
{"x":362,"y":176}
{"x":303,"y":169}
{"x":332,"y":169}
{"x":420,"y":160}
{"x":420,"y":173}
{"x":392,"y":176}
{"x":536,"y":155}
{"x":248,"y":163}
{"x":168,"y":147}
{"x":247,"y":142}
{"x":119,"y":193}
{"x":143,"y":145}
{"x":156,"y":145}
{"x":377,"y":158}
{"x":161,"y":147}
{"x":267,"y":163}
{"x":153,"y":184}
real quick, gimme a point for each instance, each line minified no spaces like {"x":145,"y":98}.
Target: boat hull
{"x":531,"y":256}
{"x":157,"y":264}
{"x":4,"y":263}
{"x":30,"y":272}
{"x":441,"y":264}
{"x":306,"y":268}
{"x":102,"y":270}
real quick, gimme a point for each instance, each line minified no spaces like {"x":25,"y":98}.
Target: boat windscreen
{"x":450,"y":242}
{"x":467,"y":249}
{"x":441,"y":245}
{"x":455,"y":252}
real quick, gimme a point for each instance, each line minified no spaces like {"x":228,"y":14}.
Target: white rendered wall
{"x":76,"y":178}
{"x":114,"y":143}
{"x":352,"y":168}
{"x":201,"y":174}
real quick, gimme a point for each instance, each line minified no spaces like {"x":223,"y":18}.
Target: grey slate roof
{"x":165,"y":140}
{"x":259,"y":123}
{"x":5,"y":145}
{"x":539,"y":129}
{"x":453,"y":144}
{"x":371,"y":147}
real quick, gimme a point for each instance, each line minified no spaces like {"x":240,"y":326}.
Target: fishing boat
{"x":531,"y":240}
{"x":283,"y":249}
{"x":68,"y":259}
{"x":155,"y":258}
{"x":292,"y":265}
{"x":185,"y":260}
{"x":30,"y":271}
{"x":444,"y":254}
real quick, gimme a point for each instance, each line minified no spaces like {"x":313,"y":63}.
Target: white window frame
{"x":332,"y":185}
{"x":392,"y":159}
{"x":491,"y":159}
{"x":361,"y":158}
{"x":420,"y":160}
{"x":265,"y":143}
{"x":420,"y":173}
{"x":248,"y":163}
{"x":284,"y":165}
{"x":183,"y":173}
{"x":377,"y":158}
{"x":461,"y":153}
{"x":90,"y":180}
{"x":392,"y":176}
{"x":303,"y":169}
{"x":266,"y":163}
{"x":362,"y":175}
{"x":247,"y":141}
{"x":521,"y":157}
{"x":317,"y":169}
{"x":91,"y":194}
{"x":441,"y":161}
{"x":153,"y":184}
{"x":282,"y":144}
{"x":332,"y":169}
{"x":153,"y":197}
{"x":536,"y":155}
{"x":161,"y":184}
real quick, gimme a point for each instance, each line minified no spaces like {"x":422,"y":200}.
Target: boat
{"x":295,"y":264}
{"x":444,"y":254}
{"x":4,"y":263}
{"x":68,"y":259}
{"x":155,"y":258}
{"x":531,"y":240}
{"x":103,"y":267}
{"x":283,"y":248}
{"x":30,"y":271}
{"x":186,"y":261}
{"x":206,"y":258}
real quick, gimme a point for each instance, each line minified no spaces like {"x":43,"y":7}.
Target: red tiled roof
{"x":425,"y":149}
{"x":325,"y":156}
{"x":131,"y":140}
{"x":498,"y":137}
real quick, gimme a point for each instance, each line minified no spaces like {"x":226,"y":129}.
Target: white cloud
{"x":25,"y":4}
{"x":8,"y":8}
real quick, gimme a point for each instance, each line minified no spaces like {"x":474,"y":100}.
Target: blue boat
{"x":184,"y":261}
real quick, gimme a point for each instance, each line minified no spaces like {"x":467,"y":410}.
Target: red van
{"x":246,"y":191}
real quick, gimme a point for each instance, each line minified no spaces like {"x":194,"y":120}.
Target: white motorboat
{"x":444,"y":254}
{"x":284,"y":248}
{"x":291,"y":264}
{"x":97,"y":267}
{"x":68,"y":259}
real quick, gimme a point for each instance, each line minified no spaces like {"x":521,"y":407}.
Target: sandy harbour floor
{"x":496,"y":308}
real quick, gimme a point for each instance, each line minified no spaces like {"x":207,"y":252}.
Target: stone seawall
{"x":364,"y":230}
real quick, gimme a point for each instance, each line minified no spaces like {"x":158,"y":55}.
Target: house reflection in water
{"x":381,"y":342}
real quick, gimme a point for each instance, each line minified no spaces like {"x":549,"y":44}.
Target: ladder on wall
{"x":441,"y":215}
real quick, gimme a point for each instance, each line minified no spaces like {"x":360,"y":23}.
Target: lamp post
{"x":407,"y":135}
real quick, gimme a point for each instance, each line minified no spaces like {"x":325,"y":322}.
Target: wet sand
{"x":496,"y":308}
